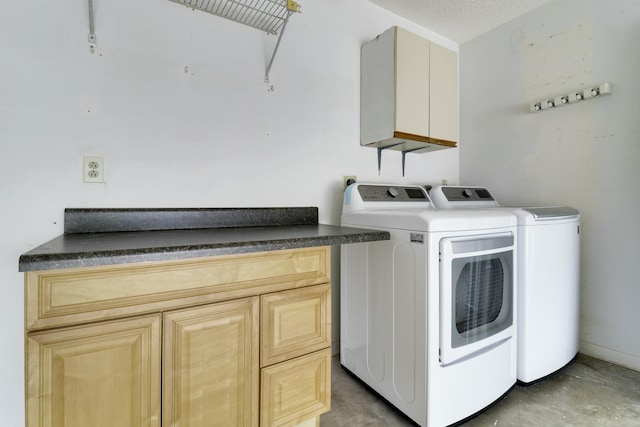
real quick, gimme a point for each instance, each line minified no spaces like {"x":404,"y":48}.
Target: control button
{"x":467,"y":193}
{"x":392,"y":192}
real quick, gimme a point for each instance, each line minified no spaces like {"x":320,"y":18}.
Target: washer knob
{"x":467,"y":193}
{"x":392,"y":192}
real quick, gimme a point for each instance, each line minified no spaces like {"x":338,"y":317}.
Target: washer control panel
{"x":457,"y":194}
{"x":451,"y":196}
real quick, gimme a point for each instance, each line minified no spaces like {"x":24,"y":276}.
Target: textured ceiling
{"x":459,"y":20}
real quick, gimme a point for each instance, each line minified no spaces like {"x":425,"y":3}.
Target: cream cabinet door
{"x":100,"y":375}
{"x":412,"y":83}
{"x":210,"y":367}
{"x":443,"y":123}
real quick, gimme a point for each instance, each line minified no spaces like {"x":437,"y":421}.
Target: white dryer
{"x":428,"y":317}
{"x":548,"y":278}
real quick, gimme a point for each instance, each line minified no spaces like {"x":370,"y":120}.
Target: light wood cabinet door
{"x":101,"y":375}
{"x":294,"y":323}
{"x":210,"y":367}
{"x":296,"y":390}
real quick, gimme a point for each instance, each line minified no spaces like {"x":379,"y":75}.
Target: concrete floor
{"x":587,"y":392}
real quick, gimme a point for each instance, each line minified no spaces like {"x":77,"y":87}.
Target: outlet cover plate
{"x":93,"y":169}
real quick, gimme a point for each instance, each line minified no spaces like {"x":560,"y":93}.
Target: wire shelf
{"x":265,"y":15}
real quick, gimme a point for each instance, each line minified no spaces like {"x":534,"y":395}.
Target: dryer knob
{"x":467,"y":193}
{"x":392,"y":192}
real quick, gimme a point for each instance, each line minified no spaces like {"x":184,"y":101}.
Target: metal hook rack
{"x":580,"y":95}
{"x":270,"y":16}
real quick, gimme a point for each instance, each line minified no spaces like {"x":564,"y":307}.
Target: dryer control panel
{"x":358,"y":197}
{"x":372,"y":193}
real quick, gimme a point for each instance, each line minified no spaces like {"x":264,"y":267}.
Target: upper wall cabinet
{"x":408,"y":93}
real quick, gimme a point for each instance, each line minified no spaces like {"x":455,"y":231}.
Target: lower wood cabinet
{"x":259,"y":358}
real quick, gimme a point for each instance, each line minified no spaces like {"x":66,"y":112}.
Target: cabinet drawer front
{"x":295,"y":323}
{"x":105,"y":374}
{"x":72,"y":296}
{"x":210,"y":365}
{"x":296,"y":390}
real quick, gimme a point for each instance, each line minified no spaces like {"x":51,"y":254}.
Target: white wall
{"x":585,"y":155}
{"x":214,"y":136}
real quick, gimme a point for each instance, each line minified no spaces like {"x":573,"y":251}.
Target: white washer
{"x":548,"y":279}
{"x":428,"y":317}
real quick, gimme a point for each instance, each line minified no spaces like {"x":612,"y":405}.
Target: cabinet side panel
{"x":210,"y":367}
{"x":377,"y":101}
{"x":444,"y":93}
{"x":102,"y":375}
{"x":412,"y":83}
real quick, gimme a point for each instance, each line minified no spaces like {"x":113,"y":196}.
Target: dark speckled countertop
{"x":95,"y":237}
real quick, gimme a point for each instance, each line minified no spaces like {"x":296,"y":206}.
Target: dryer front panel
{"x":476,"y":294}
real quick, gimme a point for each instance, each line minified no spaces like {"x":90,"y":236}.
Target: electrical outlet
{"x":93,"y":169}
{"x":348,"y":179}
